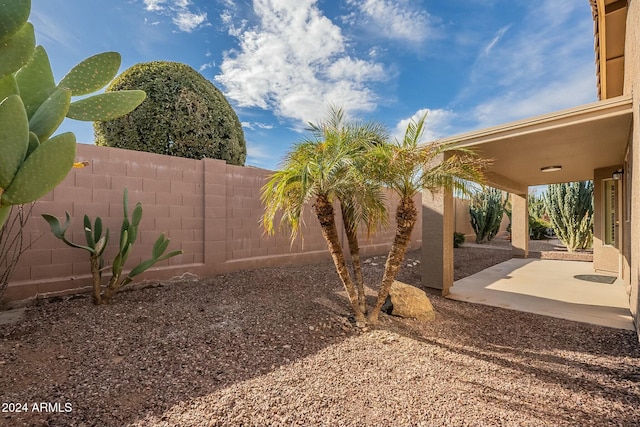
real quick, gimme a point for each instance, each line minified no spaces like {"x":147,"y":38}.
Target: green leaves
{"x":106,"y":106}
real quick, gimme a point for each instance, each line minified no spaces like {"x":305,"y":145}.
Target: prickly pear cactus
{"x":97,"y":242}
{"x":32,"y":107}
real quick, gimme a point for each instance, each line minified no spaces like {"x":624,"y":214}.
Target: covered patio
{"x":563,"y":289}
{"x":583,"y":143}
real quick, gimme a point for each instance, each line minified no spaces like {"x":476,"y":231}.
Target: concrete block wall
{"x":207,"y":208}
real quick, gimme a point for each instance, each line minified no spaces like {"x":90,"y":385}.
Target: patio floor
{"x":549,"y":288}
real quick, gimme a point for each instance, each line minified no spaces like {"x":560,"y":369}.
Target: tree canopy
{"x":184,"y":115}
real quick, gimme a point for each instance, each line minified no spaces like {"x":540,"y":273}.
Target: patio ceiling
{"x":579,"y":140}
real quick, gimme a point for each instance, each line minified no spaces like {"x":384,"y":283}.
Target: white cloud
{"x":206,"y":66}
{"x":256,"y":125}
{"x":154,"y":5}
{"x":437,"y":125}
{"x":394,"y":19}
{"x":187,"y":21}
{"x":180,"y":12}
{"x":487,"y":50}
{"x":294,"y":62}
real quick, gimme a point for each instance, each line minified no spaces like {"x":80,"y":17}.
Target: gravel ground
{"x":275,"y":347}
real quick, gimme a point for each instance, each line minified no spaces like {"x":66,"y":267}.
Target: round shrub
{"x":184,"y":115}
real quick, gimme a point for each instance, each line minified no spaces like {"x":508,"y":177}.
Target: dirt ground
{"x":276,"y":347}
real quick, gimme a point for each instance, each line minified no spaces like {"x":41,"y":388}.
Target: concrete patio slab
{"x":549,"y":288}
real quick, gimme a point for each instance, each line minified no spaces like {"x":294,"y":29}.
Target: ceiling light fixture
{"x":551,"y":168}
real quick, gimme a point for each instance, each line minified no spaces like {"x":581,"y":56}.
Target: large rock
{"x":408,"y":301}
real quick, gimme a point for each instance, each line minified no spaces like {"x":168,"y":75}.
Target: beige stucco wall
{"x":632,"y":86}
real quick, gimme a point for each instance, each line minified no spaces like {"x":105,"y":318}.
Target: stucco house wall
{"x":632,"y":175}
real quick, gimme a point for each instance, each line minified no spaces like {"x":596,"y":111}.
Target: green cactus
{"x":14,"y":15}
{"x":97,"y":242}
{"x":487,"y":209}
{"x":32,"y":107}
{"x":17,"y":50}
{"x":570,"y":210}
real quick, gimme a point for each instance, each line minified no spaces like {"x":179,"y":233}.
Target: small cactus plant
{"x":97,"y":242}
{"x":486,"y":209}
{"x":32,"y":107}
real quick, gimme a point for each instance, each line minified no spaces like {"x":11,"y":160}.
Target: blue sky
{"x":471,"y":63}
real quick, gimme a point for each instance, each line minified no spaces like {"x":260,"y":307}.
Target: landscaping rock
{"x":408,"y":301}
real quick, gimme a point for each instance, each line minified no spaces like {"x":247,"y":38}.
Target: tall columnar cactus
{"x":570,"y":210}
{"x":97,"y":242}
{"x":486,"y":209}
{"x":32,"y":107}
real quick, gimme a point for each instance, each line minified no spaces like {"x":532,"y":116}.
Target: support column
{"x":437,"y":241}
{"x":520,"y":225}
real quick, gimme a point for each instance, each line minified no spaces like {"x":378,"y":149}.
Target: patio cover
{"x":579,"y":139}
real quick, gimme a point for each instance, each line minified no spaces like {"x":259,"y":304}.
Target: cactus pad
{"x":34,"y":143}
{"x":8,"y":87}
{"x":14,"y":134}
{"x":13,"y":15}
{"x":45,"y":168}
{"x":50,"y":114}
{"x":106,"y":106}
{"x":92,"y":74}
{"x":17,"y":50}
{"x":36,"y":81}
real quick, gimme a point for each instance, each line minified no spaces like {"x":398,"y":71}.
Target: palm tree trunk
{"x":352,"y":238}
{"x":406,"y":216}
{"x":324,"y":211}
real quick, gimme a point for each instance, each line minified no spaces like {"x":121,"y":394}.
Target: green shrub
{"x":486,"y":209}
{"x":184,"y":115}
{"x":538,"y":228}
{"x":458,"y":239}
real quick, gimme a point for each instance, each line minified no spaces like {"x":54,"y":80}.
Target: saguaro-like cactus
{"x":97,"y":242}
{"x":570,"y":210}
{"x":32,"y":107}
{"x":486,"y":210}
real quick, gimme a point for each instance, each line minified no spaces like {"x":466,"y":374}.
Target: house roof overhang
{"x":609,"y":28}
{"x":579,"y":139}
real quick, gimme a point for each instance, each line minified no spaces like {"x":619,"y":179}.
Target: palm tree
{"x":407,"y":168}
{"x":320,"y":170}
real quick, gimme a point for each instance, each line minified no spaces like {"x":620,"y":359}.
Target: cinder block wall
{"x":209,"y":209}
